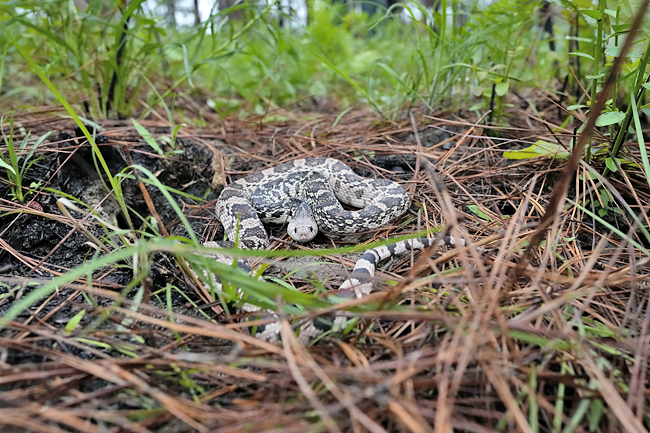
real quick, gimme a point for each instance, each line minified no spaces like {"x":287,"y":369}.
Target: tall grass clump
{"x":113,"y":60}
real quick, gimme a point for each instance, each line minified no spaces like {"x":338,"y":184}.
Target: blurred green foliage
{"x":121,"y":60}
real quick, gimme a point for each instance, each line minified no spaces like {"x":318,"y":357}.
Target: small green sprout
{"x":16,"y":164}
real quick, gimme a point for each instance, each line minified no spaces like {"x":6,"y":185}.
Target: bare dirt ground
{"x":481,"y":341}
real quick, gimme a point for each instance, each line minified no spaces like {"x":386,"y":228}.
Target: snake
{"x":307,"y":195}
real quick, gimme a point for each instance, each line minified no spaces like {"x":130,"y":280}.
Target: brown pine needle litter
{"x":451,"y":339}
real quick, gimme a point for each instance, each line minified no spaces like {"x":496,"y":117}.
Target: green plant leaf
{"x":596,"y":412}
{"x":579,"y":54}
{"x":186,"y":64}
{"x":501,"y":88}
{"x":7,"y":167}
{"x":611,"y":165}
{"x":147,"y":137}
{"x":540,"y":148}
{"x":610,"y":118}
{"x":29,"y":156}
{"x":72,"y":324}
{"x":604,"y":196}
{"x":175,"y":133}
{"x":478,"y":212}
{"x":591,"y":13}
{"x":94,"y":343}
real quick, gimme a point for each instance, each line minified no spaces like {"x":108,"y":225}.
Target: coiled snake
{"x":307,"y":195}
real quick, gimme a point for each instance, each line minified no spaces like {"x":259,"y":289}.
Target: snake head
{"x":302,"y":226}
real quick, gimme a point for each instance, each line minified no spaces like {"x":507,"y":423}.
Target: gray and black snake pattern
{"x":307,"y":194}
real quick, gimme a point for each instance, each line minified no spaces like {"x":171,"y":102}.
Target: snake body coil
{"x":307,"y":194}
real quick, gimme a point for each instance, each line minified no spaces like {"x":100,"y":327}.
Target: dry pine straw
{"x":487,"y":343}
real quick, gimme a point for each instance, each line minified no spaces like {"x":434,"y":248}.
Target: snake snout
{"x":302,"y":230}
{"x":302,"y":226}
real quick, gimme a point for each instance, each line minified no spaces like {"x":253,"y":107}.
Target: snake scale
{"x":306,"y":194}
